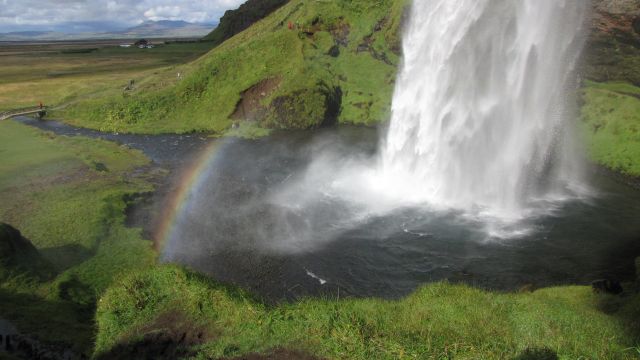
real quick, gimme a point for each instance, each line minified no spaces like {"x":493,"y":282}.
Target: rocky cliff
{"x":613,"y":50}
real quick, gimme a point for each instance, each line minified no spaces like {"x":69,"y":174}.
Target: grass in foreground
{"x":611,"y":125}
{"x":438,"y":321}
{"x":66,"y":195}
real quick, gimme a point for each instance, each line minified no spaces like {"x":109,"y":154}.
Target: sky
{"x":105,"y":15}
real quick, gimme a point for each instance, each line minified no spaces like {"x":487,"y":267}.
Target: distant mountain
{"x":168,"y":28}
{"x":148,"y":29}
{"x":28,"y":33}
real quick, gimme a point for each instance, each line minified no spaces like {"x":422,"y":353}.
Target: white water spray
{"x":480,"y":118}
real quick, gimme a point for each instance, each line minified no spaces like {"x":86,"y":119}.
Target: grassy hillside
{"x":187,"y":315}
{"x":337,"y":64}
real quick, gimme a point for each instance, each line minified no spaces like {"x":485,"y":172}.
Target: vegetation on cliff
{"x":236,"y":21}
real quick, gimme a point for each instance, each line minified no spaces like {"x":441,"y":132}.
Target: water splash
{"x":480,"y":117}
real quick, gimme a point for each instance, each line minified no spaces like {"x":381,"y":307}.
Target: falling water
{"x":480,"y":117}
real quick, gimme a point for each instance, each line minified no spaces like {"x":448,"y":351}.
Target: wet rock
{"x":607,"y":286}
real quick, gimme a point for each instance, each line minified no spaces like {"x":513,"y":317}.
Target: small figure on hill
{"x":41,"y":105}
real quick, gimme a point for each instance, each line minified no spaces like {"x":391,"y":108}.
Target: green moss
{"x":611,"y":125}
{"x":437,"y":321}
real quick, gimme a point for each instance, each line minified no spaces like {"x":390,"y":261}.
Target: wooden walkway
{"x":40,"y":111}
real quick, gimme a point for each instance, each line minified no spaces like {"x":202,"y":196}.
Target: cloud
{"x":163,"y":13}
{"x":18,"y":15}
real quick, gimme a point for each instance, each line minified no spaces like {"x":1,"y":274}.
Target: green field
{"x":59,"y":74}
{"x":67,"y":196}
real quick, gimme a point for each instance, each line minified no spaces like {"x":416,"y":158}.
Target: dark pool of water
{"x":232,"y":229}
{"x":167,"y":150}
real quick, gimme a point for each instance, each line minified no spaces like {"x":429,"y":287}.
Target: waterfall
{"x":480,"y":117}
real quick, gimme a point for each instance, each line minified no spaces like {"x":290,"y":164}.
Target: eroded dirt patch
{"x":172,"y":335}
{"x":278,"y":354}
{"x":250,"y":106}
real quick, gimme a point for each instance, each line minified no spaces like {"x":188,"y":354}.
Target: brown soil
{"x":170,"y":336}
{"x":278,"y":354}
{"x":250,"y":106}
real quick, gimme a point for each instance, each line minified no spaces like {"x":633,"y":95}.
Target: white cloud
{"x":16,"y":14}
{"x":163,"y":13}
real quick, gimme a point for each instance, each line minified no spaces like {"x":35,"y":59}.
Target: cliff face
{"x":235,"y":21}
{"x":617,"y":16}
{"x":613,"y":50}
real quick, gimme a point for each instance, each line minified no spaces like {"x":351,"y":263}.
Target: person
{"x":41,"y":106}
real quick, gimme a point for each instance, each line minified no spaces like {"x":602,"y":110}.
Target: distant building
{"x":141,"y":44}
{"x":125,"y":45}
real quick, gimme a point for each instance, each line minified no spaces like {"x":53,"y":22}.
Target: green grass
{"x":437,"y":321}
{"x":60,"y":74}
{"x":66,"y":195}
{"x":206,"y":97}
{"x":611,"y":125}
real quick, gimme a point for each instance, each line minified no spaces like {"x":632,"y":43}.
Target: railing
{"x":24,"y":111}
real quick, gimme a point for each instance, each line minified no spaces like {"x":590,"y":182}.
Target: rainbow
{"x":178,"y":201}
